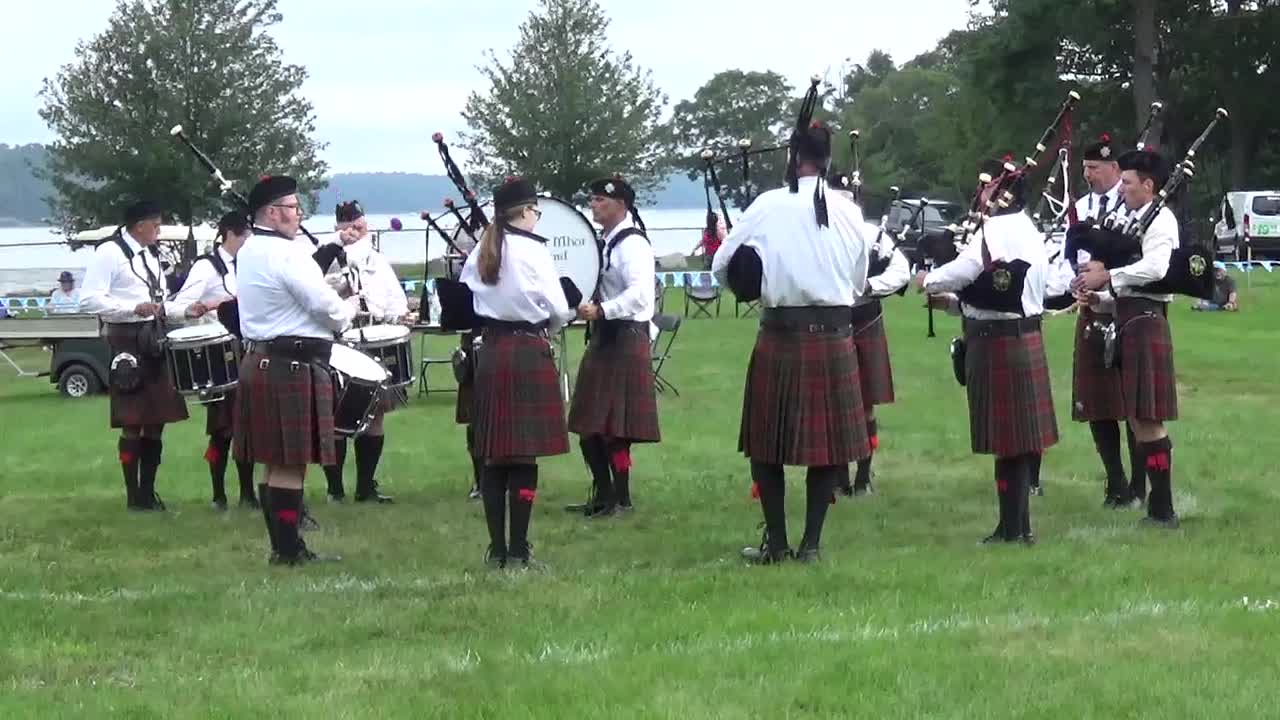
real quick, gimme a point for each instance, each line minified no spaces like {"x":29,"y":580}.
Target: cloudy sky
{"x":385,"y":74}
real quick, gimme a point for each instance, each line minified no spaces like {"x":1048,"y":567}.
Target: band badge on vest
{"x":1197,"y":265}
{"x":1001,"y":279}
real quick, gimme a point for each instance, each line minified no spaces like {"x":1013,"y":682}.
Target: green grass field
{"x":104,"y":613}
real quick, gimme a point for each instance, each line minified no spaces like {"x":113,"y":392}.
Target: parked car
{"x":1250,"y":219}
{"x":936,"y":215}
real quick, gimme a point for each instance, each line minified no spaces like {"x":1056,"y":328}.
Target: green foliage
{"x":209,"y":65}
{"x":565,"y":109}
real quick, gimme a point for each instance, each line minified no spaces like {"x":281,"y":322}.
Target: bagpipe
{"x":1190,"y":269}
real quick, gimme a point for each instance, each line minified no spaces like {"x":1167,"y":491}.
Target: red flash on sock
{"x":1002,"y":486}
{"x":621,"y":460}
{"x":212,"y":455}
{"x":875,"y":442}
{"x":528,"y":494}
{"x":127,"y":457}
{"x":1158,"y":461}
{"x":755,"y":491}
{"x":833,"y":499}
{"x":288,"y":517}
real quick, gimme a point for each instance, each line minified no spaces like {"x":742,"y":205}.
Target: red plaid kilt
{"x":156,"y":401}
{"x":518,"y":411}
{"x":284,"y":416}
{"x":1096,"y":392}
{"x":466,"y":391}
{"x":872,"y":347}
{"x":613,"y":394}
{"x":803,"y":402}
{"x":1148,"y":382}
{"x":1010,"y":398}
{"x":220,"y":417}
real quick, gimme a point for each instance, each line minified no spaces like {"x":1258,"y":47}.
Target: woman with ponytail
{"x":518,"y":413}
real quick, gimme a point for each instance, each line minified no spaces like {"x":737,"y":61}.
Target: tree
{"x":206,"y":64}
{"x":564,"y":109}
{"x":733,"y":105}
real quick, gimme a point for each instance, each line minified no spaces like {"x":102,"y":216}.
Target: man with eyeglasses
{"x":288,"y":316}
{"x":123,"y":286}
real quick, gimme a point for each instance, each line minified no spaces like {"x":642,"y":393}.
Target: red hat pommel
{"x":437,"y":137}
{"x":264,"y":178}
{"x":510,"y":179}
{"x":816,"y":124}
{"x":471,"y":195}
{"x":448,"y":202}
{"x":1007,"y":158}
{"x":1106,"y":137}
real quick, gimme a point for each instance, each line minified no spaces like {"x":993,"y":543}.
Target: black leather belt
{"x":1002,"y":328}
{"x":299,"y":349}
{"x":817,"y":319}
{"x":866,"y":313}
{"x":1129,"y":306}
{"x":513,"y":327}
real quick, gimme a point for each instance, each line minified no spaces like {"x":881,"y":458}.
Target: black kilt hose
{"x":284,"y":412}
{"x":614,"y":394}
{"x":1007,"y":379}
{"x":220,"y":418}
{"x":1096,"y":391}
{"x":466,"y":390}
{"x":802,"y":403}
{"x":156,"y":401}
{"x":517,"y":411}
{"x":872,"y":346}
{"x":1150,"y":388}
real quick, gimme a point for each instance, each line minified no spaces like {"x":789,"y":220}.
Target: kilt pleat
{"x":802,"y":403}
{"x":1096,"y":390}
{"x":518,"y":410}
{"x":614,"y":394}
{"x":284,"y":413}
{"x":874,"y":371}
{"x":156,"y":401}
{"x":1010,"y":398}
{"x":1146,"y":361}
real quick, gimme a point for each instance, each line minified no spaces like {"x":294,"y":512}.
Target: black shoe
{"x":336,"y":499}
{"x":219,"y":505}
{"x":495,"y":558}
{"x":475,"y":493}
{"x":600,"y":512}
{"x":765,"y":556}
{"x":624,"y":508}
{"x":152,"y":504}
{"x":1169,"y":523}
{"x":1028,"y":539}
{"x":996,"y":537}
{"x":1036,"y":491}
{"x":807,"y":555}
{"x":250,"y":502}
{"x":375,"y":497}
{"x":846,"y":488}
{"x":305,"y":557}
{"x":524,"y":561}
{"x":863,"y":490}
{"x":586,"y":508}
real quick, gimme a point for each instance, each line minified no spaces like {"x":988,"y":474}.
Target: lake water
{"x":31,"y":258}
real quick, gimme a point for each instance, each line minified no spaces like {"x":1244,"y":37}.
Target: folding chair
{"x":751,"y":307}
{"x":701,"y":295}
{"x":668,"y":325}
{"x":659,"y":294}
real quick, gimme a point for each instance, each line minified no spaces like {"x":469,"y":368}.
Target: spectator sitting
{"x":1224,"y":294}
{"x":66,"y":299}
{"x":711,"y":241}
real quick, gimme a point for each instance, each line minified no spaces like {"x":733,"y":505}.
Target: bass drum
{"x":572,"y":241}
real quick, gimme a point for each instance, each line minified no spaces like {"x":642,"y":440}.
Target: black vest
{"x":999,"y":287}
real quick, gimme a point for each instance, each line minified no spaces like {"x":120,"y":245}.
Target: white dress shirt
{"x":1157,"y":249}
{"x":378,"y":286}
{"x":114,"y":286}
{"x":206,"y":286}
{"x":626,"y":283}
{"x":64,"y":302}
{"x":894,"y":277}
{"x":283,"y":292}
{"x":528,"y":287}
{"x":804,"y":264}
{"x":1009,"y":237}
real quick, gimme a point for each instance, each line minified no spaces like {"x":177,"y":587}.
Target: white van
{"x":1253,"y":215}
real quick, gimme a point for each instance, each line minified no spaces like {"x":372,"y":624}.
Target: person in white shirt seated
{"x":383,"y":298}
{"x":518,"y":411}
{"x":66,"y":298}
{"x":289,"y":316}
{"x":123,"y":286}
{"x":208,"y":295}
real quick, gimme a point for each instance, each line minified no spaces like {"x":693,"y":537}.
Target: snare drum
{"x":358,"y":384}
{"x":390,"y":346}
{"x":204,"y":360}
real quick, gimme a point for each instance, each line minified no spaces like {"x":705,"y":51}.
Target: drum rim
{"x":402,"y":335}
{"x":347,"y":350}
{"x":207,"y":330}
{"x":200,"y":343}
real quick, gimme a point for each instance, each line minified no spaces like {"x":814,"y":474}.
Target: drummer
{"x":382,"y":297}
{"x":123,"y":287}
{"x":284,"y":413}
{"x":614,"y":404}
{"x":209,"y":296}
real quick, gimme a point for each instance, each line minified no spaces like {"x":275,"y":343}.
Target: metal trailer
{"x":79,"y":357}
